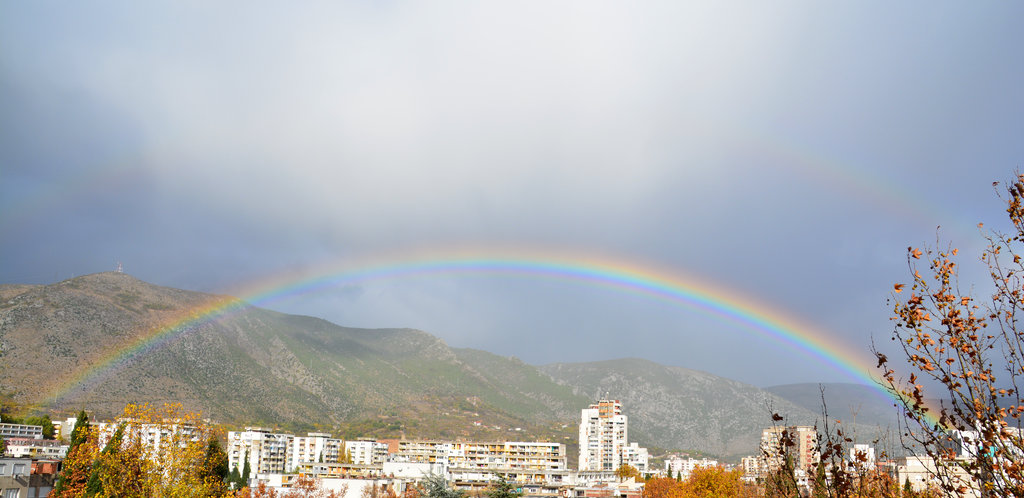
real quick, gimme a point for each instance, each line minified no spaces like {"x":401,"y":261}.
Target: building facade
{"x":20,"y":430}
{"x":313,"y":447}
{"x":518,"y":457}
{"x":803,"y":451}
{"x":684,"y":467}
{"x":604,"y":439}
{"x":267,"y":451}
{"x":366,"y":452}
{"x":26,"y":478}
{"x":36,"y":448}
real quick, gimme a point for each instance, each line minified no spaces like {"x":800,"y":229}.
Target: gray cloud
{"x":788,"y":151}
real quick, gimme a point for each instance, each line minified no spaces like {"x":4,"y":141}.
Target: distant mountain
{"x":259,"y":367}
{"x":689,"y":408}
{"x":850,"y":402}
{"x":253,"y":366}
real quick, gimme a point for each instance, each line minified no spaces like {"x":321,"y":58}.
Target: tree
{"x":234,"y":479}
{"x":214,"y":471}
{"x":713,"y":481}
{"x":371,"y":490}
{"x":81,"y":430}
{"x":968,"y":352}
{"x":245,"y":470}
{"x":502,"y":489}
{"x":663,"y":487}
{"x":43,"y":421}
{"x":308,"y":487}
{"x":187,"y":461}
{"x":435,"y":486}
{"x":625,"y":471}
{"x":77,"y":465}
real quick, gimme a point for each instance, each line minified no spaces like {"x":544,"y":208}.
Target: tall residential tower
{"x":604,"y":444}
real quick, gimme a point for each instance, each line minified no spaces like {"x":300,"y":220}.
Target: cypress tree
{"x":215,"y":460}
{"x":76,"y":470}
{"x":245,"y":470}
{"x":81,"y":429}
{"x":95,"y":486}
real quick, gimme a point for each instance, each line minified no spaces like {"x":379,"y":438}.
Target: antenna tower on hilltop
{"x":119,"y":269}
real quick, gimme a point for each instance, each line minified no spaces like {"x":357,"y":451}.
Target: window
{"x":19,"y":469}
{"x":11,"y":493}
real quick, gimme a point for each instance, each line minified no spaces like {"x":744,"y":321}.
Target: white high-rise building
{"x":267,"y":451}
{"x":604,"y":442}
{"x":366,"y":452}
{"x":313,"y":447}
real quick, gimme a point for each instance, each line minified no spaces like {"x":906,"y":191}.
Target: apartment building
{"x":603,"y":438}
{"x":502,"y":456}
{"x":267,"y":451}
{"x":26,"y":478}
{"x":804,"y":450}
{"x":19,"y":430}
{"x":153,"y":436}
{"x":366,"y":451}
{"x":753,"y":468}
{"x":313,"y":447}
{"x":684,"y":467}
{"x":36,"y":448}
{"x":637,"y":457}
{"x":922,"y":472}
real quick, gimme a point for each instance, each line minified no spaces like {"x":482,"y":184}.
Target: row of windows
{"x":18,"y":469}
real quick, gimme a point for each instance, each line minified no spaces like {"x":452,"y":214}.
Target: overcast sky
{"x":788,"y":151}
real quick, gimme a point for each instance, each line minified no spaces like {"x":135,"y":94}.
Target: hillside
{"x":692,"y":409}
{"x":252,"y":366}
{"x":853,"y":402}
{"x":85,"y":342}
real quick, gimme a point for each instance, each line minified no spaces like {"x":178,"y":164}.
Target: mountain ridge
{"x":258,"y":366}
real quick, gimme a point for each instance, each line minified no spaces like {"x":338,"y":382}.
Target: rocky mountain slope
{"x":693,"y":409}
{"x":87,"y":342}
{"x":852,"y":402}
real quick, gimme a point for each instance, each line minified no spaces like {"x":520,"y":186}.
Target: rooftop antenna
{"x":119,"y":268}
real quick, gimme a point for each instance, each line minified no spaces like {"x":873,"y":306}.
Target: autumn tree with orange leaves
{"x":703,"y":482}
{"x":187,"y":462}
{"x":968,"y":352}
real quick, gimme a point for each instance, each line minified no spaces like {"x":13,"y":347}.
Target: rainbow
{"x":661,"y":284}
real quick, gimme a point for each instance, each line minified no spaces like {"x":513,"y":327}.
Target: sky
{"x":786,"y":152}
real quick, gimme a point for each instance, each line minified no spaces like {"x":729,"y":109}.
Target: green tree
{"x":77,"y":465}
{"x":101,"y":466}
{"x":43,"y":421}
{"x":245,"y":470}
{"x":435,"y":486}
{"x":215,"y":467}
{"x":81,"y":430}
{"x":502,"y":489}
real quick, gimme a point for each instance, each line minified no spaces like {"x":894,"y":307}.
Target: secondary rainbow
{"x":666,"y":285}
